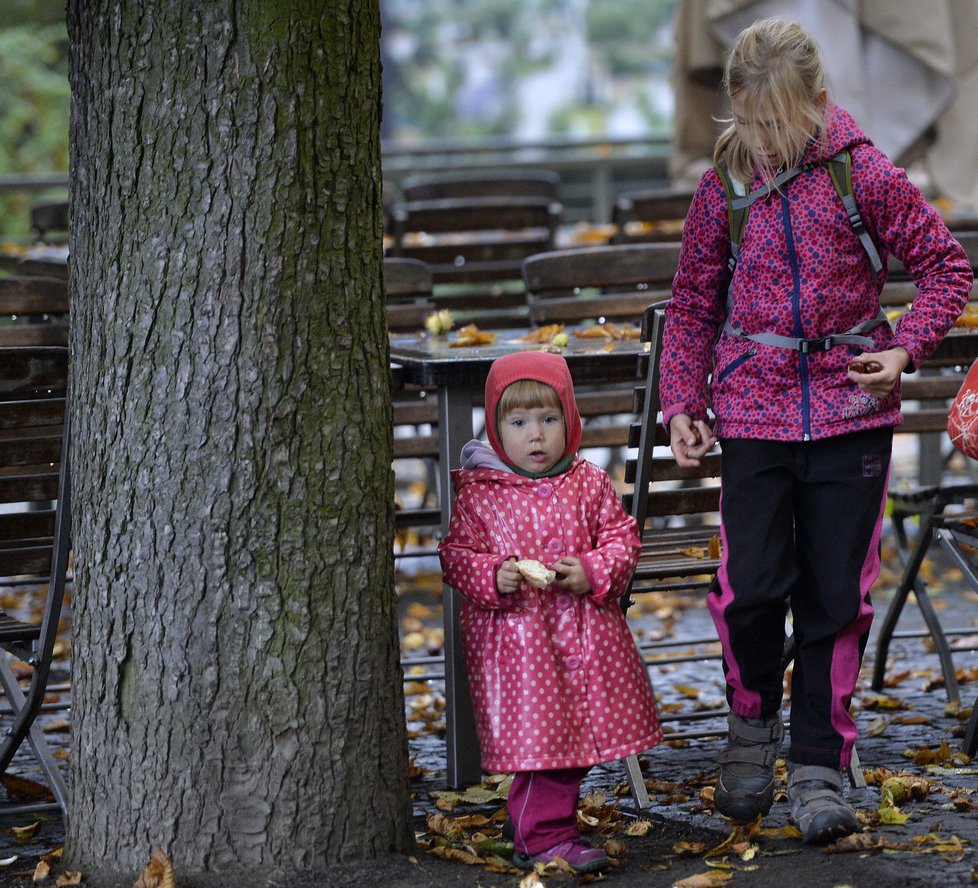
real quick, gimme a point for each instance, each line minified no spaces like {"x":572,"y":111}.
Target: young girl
{"x":557,"y":683}
{"x":805,"y":416}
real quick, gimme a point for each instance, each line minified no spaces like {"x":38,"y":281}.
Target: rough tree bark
{"x":236,"y":687}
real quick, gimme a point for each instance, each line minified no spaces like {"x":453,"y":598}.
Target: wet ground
{"x":908,"y":735}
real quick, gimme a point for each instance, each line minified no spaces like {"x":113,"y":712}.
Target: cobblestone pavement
{"x":908,"y":729}
{"x":901,"y":732}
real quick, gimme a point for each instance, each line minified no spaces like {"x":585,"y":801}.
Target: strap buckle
{"x":807,"y":346}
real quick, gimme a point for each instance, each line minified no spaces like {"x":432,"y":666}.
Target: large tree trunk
{"x":236,"y":685}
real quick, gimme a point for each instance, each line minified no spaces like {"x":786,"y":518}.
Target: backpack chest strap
{"x":819,"y":344}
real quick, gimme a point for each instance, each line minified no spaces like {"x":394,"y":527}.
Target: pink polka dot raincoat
{"x":556,"y":679}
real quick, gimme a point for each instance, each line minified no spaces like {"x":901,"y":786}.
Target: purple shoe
{"x":579,"y":855}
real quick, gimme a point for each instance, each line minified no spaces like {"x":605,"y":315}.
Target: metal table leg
{"x":464,"y":765}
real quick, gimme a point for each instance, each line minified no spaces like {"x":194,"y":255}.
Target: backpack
{"x":739,"y":202}
{"x":962,"y":417}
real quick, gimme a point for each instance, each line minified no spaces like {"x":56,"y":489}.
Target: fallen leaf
{"x":543,"y":334}
{"x":741,"y":834}
{"x":877,"y":727}
{"x":74,"y":877}
{"x":158,"y":872}
{"x":704,"y":880}
{"x":22,"y":788}
{"x":864,"y":842}
{"x":470,"y":334}
{"x":459,"y":855}
{"x":25,"y":834}
{"x":639,"y":828}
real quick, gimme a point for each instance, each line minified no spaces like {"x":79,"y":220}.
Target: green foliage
{"x":34,"y":107}
{"x":31,"y":12}
{"x":615,"y":21}
{"x":34,"y":99}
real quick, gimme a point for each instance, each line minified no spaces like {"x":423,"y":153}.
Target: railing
{"x":592,"y":171}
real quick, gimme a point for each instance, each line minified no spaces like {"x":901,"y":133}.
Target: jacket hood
{"x":544,"y":367}
{"x":841,"y":132}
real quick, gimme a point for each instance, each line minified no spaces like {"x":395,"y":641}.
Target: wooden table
{"x":459,"y":374}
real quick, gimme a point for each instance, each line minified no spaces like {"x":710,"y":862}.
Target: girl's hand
{"x":878,"y":379}
{"x":689,"y":440}
{"x":508,"y":577}
{"x":571,"y":576}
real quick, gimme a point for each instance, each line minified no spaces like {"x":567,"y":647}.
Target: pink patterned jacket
{"x":802,"y":273}
{"x":556,"y":679}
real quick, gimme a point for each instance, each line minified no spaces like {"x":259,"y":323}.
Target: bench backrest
{"x":649,"y":215}
{"x":466,"y":240}
{"x":407,"y":290}
{"x":33,"y":311}
{"x":615,"y":282}
{"x":482,"y":183}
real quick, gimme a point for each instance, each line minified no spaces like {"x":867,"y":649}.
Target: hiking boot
{"x":578,"y":854}
{"x":817,"y":805}
{"x":745,"y":786}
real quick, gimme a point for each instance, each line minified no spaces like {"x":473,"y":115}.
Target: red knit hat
{"x":544,"y":367}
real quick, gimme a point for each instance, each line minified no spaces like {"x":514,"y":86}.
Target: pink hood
{"x":543,"y":367}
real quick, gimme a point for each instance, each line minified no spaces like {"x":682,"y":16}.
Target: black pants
{"x":800,"y":525}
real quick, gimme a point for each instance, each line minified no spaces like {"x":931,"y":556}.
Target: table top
{"x":432,"y":360}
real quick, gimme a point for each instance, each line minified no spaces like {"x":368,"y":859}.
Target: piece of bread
{"x":535,"y":573}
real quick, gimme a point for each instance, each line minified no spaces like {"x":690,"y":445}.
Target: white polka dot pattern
{"x":556,"y":680}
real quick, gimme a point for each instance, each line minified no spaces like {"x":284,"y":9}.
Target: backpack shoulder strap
{"x":840,"y":169}
{"x":736,"y":209}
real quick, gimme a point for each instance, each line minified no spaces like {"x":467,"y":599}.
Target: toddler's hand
{"x":571,"y":576}
{"x":508,"y":577}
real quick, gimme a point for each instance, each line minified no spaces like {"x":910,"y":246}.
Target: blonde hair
{"x":778,"y":67}
{"x":527,"y":394}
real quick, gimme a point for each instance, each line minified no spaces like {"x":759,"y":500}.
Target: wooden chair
{"x":33,"y":311}
{"x":482,"y":183}
{"x":649,"y":215}
{"x":34,"y":539}
{"x":407,"y":290}
{"x":475,"y":248}
{"x":49,"y":221}
{"x":599,"y":284}
{"x":609,"y":282}
{"x":947,"y":515}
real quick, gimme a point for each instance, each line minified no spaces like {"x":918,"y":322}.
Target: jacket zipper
{"x":806,"y":428}
{"x":733,"y":365}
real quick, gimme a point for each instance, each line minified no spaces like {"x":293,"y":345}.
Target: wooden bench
{"x":35,"y":526}
{"x":593,"y":283}
{"x":482,"y":183}
{"x":33,"y":311}
{"x":49,"y":221}
{"x":475,"y":248}
{"x":655,"y":214}
{"x":407,"y":291}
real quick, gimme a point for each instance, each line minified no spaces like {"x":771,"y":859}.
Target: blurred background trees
{"x":34,"y":99}
{"x":453,"y":70}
